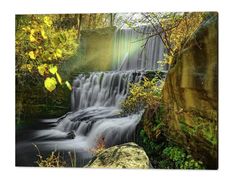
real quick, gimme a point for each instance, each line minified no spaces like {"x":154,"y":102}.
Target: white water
{"x":102,"y":89}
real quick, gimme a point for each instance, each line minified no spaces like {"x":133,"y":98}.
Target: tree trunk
{"x":79,"y":24}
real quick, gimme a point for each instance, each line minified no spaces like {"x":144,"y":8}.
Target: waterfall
{"x":131,"y":51}
{"x":96,"y":101}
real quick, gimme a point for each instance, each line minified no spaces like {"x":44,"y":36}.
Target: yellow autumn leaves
{"x":41,"y":46}
{"x":43,"y":33}
{"x":32,"y":55}
{"x":51,"y":82}
{"x":57,"y":54}
{"x":47,"y":20}
{"x":31,"y":36}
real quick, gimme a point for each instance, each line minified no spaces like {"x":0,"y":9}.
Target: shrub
{"x":41,"y":47}
{"x":54,"y":159}
{"x":144,"y":94}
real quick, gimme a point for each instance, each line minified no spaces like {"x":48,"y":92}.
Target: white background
{"x":9,"y":174}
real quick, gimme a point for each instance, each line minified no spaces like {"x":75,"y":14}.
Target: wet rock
{"x":128,"y":155}
{"x":71,"y":135}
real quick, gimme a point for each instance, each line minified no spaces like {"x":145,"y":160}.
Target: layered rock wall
{"x":190,"y":95}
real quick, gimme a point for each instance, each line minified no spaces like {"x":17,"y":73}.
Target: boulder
{"x":128,"y":155}
{"x":190,"y":95}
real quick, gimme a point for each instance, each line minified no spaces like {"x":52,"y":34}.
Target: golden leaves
{"x":43,"y":33}
{"x":42,"y":69}
{"x":30,"y":67}
{"x":58,"y":78}
{"x":58,"y":53}
{"x":185,"y":27}
{"x":50,"y":83}
{"x":32,"y":55}
{"x":68,"y":85}
{"x":53,"y":69}
{"x":47,"y":20}
{"x":31,"y":36}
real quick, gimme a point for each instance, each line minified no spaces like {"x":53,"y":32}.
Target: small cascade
{"x":131,"y":51}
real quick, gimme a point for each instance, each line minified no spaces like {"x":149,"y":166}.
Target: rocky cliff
{"x":190,"y":95}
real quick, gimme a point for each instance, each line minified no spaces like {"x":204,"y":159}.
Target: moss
{"x":206,"y":128}
{"x":200,"y":127}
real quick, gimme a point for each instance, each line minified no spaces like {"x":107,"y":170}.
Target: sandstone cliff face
{"x":190,"y":95}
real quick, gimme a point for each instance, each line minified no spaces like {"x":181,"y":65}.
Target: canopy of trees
{"x":43,"y":42}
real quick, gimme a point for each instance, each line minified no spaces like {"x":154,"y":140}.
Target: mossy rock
{"x":128,"y":155}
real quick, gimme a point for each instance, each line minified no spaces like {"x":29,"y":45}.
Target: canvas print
{"x":117,"y":90}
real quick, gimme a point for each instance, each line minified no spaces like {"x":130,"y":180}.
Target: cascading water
{"x":96,"y":105}
{"x":96,"y":113}
{"x":102,"y":89}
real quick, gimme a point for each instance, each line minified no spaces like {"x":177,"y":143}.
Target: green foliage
{"x":144,"y":94}
{"x":150,"y":146}
{"x":180,"y":159}
{"x":159,"y":119}
{"x":165,"y":155}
